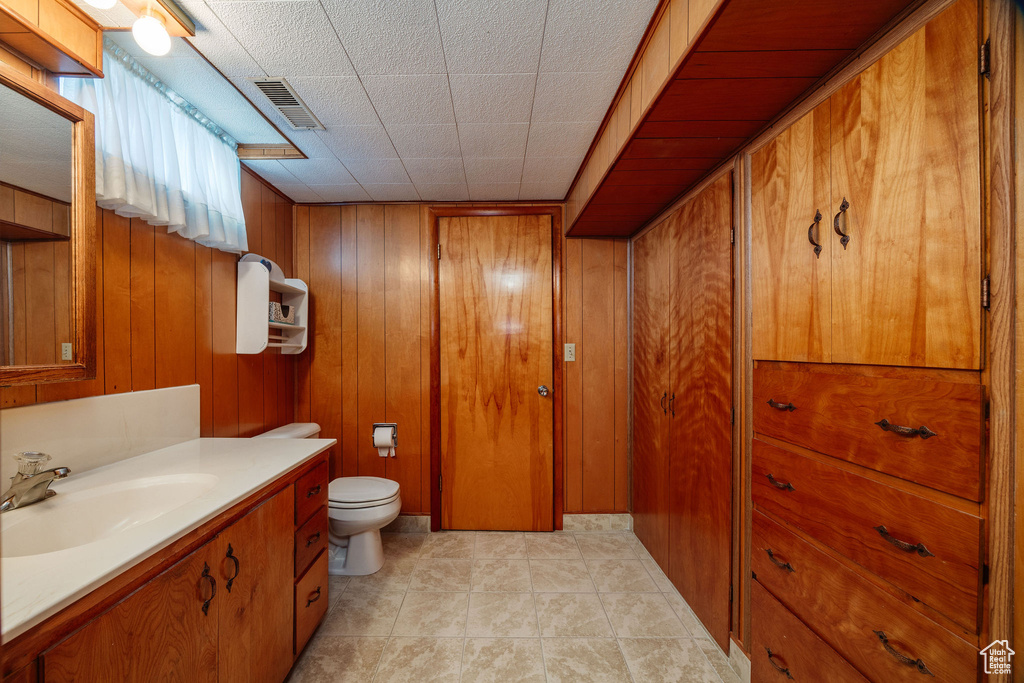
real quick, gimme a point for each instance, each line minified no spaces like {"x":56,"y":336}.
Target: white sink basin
{"x":73,"y":519}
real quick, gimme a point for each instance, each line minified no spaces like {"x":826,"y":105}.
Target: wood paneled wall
{"x":367,"y":267}
{"x":166,"y":317}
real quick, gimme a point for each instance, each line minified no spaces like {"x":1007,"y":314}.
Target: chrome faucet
{"x":30,"y":485}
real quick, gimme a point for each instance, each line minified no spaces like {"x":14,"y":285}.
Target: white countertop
{"x":35,"y":587}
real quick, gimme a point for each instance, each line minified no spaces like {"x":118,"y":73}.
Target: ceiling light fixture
{"x":151,"y":33}
{"x":102,"y":4}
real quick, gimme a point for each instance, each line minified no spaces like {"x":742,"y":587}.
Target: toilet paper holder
{"x":394,"y":432}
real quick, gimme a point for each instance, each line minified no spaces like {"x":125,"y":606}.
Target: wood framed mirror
{"x":47,"y":235}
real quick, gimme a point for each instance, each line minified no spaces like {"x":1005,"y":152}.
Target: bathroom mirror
{"x":47,"y":235}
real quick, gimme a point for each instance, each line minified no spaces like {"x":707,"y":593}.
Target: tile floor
{"x":491,"y":606}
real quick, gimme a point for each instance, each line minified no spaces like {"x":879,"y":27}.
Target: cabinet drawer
{"x":311,"y":601}
{"x":853,"y":616}
{"x":837,"y":412}
{"x":311,"y":492}
{"x":929,"y":550}
{"x":784,"y":649}
{"x":310,"y":539}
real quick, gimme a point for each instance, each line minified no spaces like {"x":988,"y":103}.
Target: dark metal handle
{"x":903,"y":545}
{"x":313,"y":539}
{"x":810,"y":234}
{"x":900,"y":657}
{"x":844,"y":238}
{"x":781,"y":565}
{"x":781,"y":670}
{"x":910,"y":432}
{"x":781,"y":406}
{"x":231,"y":556}
{"x":663,"y":408}
{"x":672,"y":404}
{"x":213,"y":587}
{"x":310,"y":601}
{"x":785,"y":486}
{"x":313,"y":491}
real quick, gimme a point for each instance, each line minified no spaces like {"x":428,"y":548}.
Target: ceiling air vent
{"x":286,"y":101}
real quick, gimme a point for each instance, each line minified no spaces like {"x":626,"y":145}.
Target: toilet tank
{"x":295,"y":430}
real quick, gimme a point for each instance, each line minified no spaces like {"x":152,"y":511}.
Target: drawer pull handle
{"x":900,"y":657}
{"x":781,"y":565}
{"x":313,"y":539}
{"x":213,"y":587}
{"x":844,"y":238}
{"x":903,"y":545}
{"x":781,"y":670}
{"x":921,"y":431}
{"x":316,"y":596}
{"x":810,"y":235}
{"x":313,"y":491}
{"x":785,"y":486}
{"x":781,"y":406}
{"x":231,"y":556}
{"x":662,"y":402}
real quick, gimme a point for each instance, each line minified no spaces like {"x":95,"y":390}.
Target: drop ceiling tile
{"x":336,"y":100}
{"x":358,"y":142}
{"x":458,"y":192}
{"x":272,"y":171}
{"x":593,"y":35}
{"x":301,"y":42}
{"x":550,"y":169}
{"x":217,"y":43}
{"x":543,"y":191}
{"x":501,"y":37}
{"x":425,"y":141}
{"x":493,"y":139}
{"x":392,"y":192}
{"x":418,"y":99}
{"x":319,"y":171}
{"x":561,"y":139}
{"x":479,"y":171}
{"x":492,"y":98}
{"x":389,"y":37}
{"x":435,"y":171}
{"x":300,"y":193}
{"x":574,"y":96}
{"x":340,"y":193}
{"x":493,"y":192}
{"x":310,"y":143}
{"x":377,"y":171}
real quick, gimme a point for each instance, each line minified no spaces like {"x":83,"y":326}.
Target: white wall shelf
{"x":257,"y":277}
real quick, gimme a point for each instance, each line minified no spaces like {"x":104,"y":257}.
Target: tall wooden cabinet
{"x":682,"y":398}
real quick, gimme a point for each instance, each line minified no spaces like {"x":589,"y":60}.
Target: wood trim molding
{"x":264,"y":151}
{"x":435,"y":214}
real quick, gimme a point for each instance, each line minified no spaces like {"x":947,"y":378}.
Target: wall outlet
{"x":65,"y":351}
{"x":570,"y":352}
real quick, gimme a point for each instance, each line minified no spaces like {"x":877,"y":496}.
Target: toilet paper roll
{"x":384,"y":441}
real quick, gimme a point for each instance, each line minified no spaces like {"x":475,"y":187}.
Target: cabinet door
{"x":254,"y":567}
{"x":650,"y":388}
{"x":791,"y":284}
{"x":906,"y":157}
{"x":158,"y":633}
{"x":700,"y":448}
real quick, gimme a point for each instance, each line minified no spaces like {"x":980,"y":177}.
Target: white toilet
{"x":357,"y":507}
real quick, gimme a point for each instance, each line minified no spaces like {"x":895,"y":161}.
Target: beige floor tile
{"x":393,"y":576}
{"x":335,"y":587}
{"x":449,"y":544}
{"x":718,"y":660}
{"x":621,"y":576}
{"x":667,"y":660}
{"x":686,"y":615}
{"x":341,"y":659}
{"x":500,"y":545}
{"x":439,"y":574}
{"x":572,"y":615}
{"x":623,"y":522}
{"x":508,"y":615}
{"x":423,"y":660}
{"x":363,"y":614}
{"x":402,"y":545}
{"x":610,"y":546}
{"x":543,"y":546}
{"x":638,"y":615}
{"x":561,"y":576}
{"x":502,"y":660}
{"x":584,"y":660}
{"x":664,"y":585}
{"x":509,"y":576}
{"x":597,"y":522}
{"x":432,"y":614}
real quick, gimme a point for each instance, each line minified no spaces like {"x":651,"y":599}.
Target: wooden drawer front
{"x":784,"y":649}
{"x":836,"y":412}
{"x":844,"y":511}
{"x":311,"y":493}
{"x":310,"y":601}
{"x":846,"y":610}
{"x":310,"y":539}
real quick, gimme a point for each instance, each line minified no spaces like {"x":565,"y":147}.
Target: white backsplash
{"x":86,"y":433}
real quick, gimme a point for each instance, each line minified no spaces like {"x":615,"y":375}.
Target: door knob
{"x":542,"y":390}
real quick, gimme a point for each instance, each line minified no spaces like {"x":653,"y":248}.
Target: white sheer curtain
{"x":156,"y":161}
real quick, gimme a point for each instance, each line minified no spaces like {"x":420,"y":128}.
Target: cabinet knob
{"x":542,"y":390}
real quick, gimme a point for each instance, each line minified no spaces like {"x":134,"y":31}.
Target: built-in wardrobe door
{"x":906,"y":192}
{"x":651,"y":378}
{"x":791,"y":246}
{"x":700,"y":406}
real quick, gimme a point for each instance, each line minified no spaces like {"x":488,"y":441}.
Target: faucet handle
{"x":31,"y":462}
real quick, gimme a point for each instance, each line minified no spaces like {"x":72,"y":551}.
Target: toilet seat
{"x":349,"y":493}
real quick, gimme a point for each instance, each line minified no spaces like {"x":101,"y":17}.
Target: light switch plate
{"x":570,"y":352}
{"x":65,"y":351}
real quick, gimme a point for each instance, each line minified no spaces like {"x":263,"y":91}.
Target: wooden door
{"x":254,"y":569}
{"x":651,"y":379}
{"x":497,"y":441}
{"x":700,"y":407}
{"x":791,"y":284}
{"x":158,"y":633}
{"x":906,"y":157}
